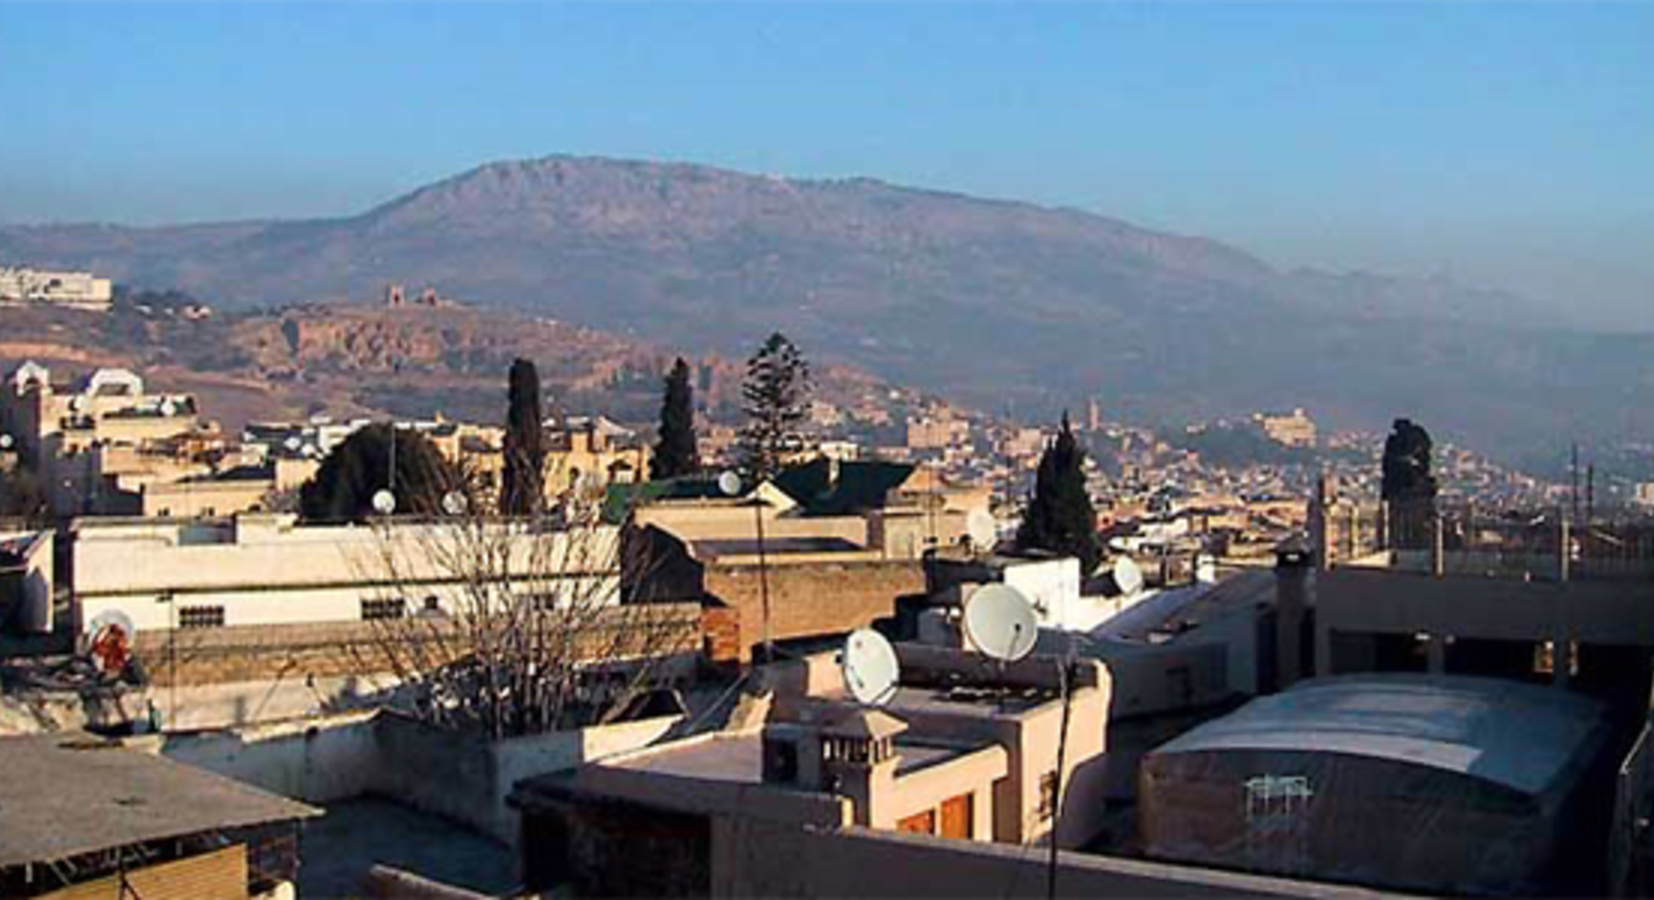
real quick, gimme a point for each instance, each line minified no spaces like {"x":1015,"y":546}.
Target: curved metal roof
{"x":1518,"y":735}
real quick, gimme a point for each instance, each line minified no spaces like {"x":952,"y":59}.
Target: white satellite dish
{"x":169,"y":408}
{"x":77,"y":403}
{"x":5,"y":441}
{"x":454,"y":503}
{"x":293,"y":444}
{"x":729,"y":483}
{"x":384,"y":502}
{"x":871,"y":672}
{"x":1128,"y":577}
{"x":1000,"y":621}
{"x":979,"y":525}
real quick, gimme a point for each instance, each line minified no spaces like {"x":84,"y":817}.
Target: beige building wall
{"x":204,"y":498}
{"x":266,"y":570}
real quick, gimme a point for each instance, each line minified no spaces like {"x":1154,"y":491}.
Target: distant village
{"x":826,"y":649}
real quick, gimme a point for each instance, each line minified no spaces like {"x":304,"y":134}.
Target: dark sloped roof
{"x":65,"y":794}
{"x":861,"y":485}
{"x":620,"y":498}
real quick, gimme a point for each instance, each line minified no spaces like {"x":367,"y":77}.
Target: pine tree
{"x":342,"y":489}
{"x":775,"y":395}
{"x":675,"y":453}
{"x":1407,"y":487}
{"x":1060,"y":517}
{"x":522,"y":487}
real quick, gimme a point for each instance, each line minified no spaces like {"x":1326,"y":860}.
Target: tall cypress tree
{"x":775,"y":395}
{"x":1060,"y":517}
{"x":675,"y":452}
{"x":1408,"y":488}
{"x":522,"y":488}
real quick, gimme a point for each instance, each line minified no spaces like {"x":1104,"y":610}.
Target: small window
{"x":1048,"y":795}
{"x":379,"y":608}
{"x":200,"y":617}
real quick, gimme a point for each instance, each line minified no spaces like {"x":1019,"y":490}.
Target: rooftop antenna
{"x":1000,"y":623}
{"x":871,"y":671}
{"x":1128,"y":576}
{"x":979,"y":524}
{"x":1573,"y":493}
{"x":384,"y":502}
{"x":729,"y":483}
{"x":1590,"y":493}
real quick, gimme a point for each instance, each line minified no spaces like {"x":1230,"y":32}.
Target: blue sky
{"x":1504,"y":144}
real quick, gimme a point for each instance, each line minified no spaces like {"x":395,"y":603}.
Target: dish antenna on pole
{"x":454,"y":503}
{"x":871,"y":672}
{"x":384,"y":502}
{"x":1000,"y":622}
{"x":979,"y":525}
{"x":1128,"y":576}
{"x":730,"y":484}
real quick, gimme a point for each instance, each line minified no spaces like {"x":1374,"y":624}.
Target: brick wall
{"x":812,"y":599}
{"x":721,"y":631}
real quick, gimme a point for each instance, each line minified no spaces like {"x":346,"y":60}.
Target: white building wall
{"x":275,"y":573}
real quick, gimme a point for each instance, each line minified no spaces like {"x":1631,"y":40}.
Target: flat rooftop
{"x":972,"y":702}
{"x":736,"y":758}
{"x":773,"y":546}
{"x":71,"y":793}
{"x":739,"y":758}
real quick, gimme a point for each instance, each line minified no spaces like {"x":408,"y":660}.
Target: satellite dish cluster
{"x":999,"y":621}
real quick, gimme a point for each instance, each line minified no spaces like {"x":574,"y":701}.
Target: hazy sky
{"x":1507,"y":145}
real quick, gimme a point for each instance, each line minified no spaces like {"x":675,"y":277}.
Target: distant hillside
{"x":999,"y":304}
{"x":353,"y":360}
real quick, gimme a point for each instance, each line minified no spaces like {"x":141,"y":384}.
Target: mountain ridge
{"x":998,"y":302}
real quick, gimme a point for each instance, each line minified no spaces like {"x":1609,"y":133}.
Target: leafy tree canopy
{"x":343,"y":488}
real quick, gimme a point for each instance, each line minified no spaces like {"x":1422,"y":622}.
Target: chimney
{"x":1293,"y":563}
{"x":859,"y":760}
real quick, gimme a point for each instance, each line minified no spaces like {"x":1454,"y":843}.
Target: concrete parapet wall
{"x":463,"y":777}
{"x":858,"y":862}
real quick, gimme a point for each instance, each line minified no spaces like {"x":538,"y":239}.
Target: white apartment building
{"x":70,"y":290}
{"x":265,"y":569}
